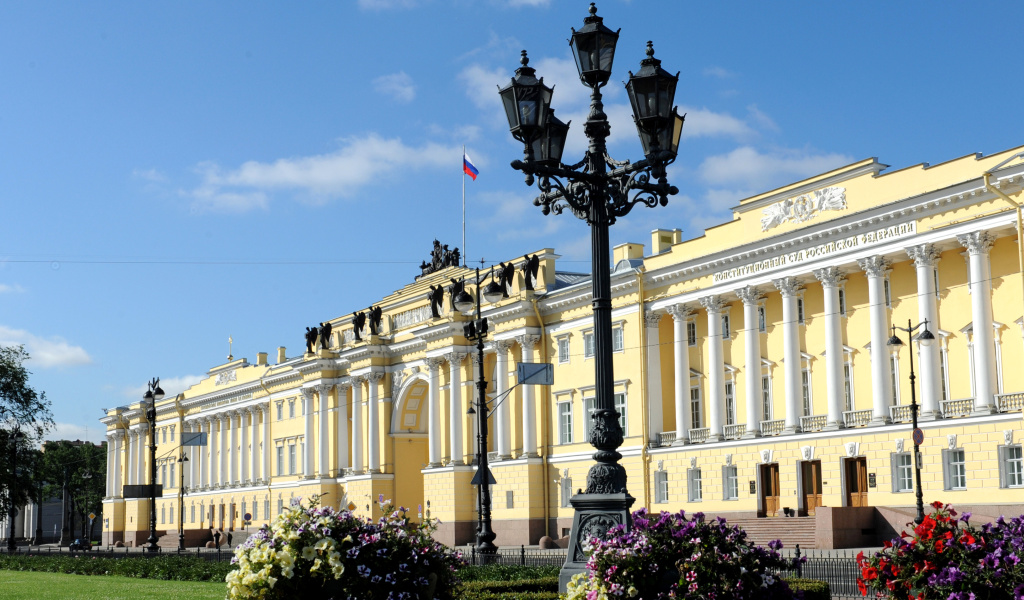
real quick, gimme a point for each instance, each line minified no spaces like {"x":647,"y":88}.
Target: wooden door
{"x":857,"y":481}
{"x":770,"y":489}
{"x":812,"y":485}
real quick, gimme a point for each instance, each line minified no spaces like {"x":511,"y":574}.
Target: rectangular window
{"x":943,"y":370}
{"x":695,"y":416}
{"x":762,"y":320}
{"x":280,"y":411}
{"x":902,"y":472}
{"x":163,"y":514}
{"x":888,"y":292}
{"x":192,"y":514}
{"x":172,"y":434}
{"x":660,"y":487}
{"x":510,"y":499}
{"x":695,"y":485}
{"x":956,"y":469}
{"x":730,"y":483}
{"x":170,"y":482}
{"x":848,"y":385}
{"x":255,"y":511}
{"x":766,"y":397}
{"x":566,"y":491}
{"x":617,"y":343}
{"x":588,"y":344}
{"x":563,"y":349}
{"x":163,"y":435}
{"x":894,"y":376}
{"x":805,"y":379}
{"x":291,"y":409}
{"x":620,"y":407}
{"x":1013,"y":466}
{"x":800,"y":310}
{"x":291,"y":459}
{"x":280,"y":505}
{"x":842,"y":302}
{"x":691,"y":333}
{"x":730,"y":404}
{"x":266,"y":508}
{"x":280,"y":460}
{"x":565,"y":422}
{"x":163,"y":476}
{"x":725,"y":327}
{"x":243,"y":509}
{"x":172,"y":514}
{"x":589,"y":405}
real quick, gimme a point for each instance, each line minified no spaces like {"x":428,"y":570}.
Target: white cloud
{"x":512,"y":215}
{"x":360,"y":161}
{"x":11,"y":288}
{"x":747,"y":168}
{"x":718,"y":72}
{"x":482,"y":86}
{"x":151,"y":175}
{"x":54,"y":351}
{"x":763,"y":120}
{"x":75,"y":431}
{"x":701,"y":122}
{"x":397,"y":85}
{"x":170,"y":385}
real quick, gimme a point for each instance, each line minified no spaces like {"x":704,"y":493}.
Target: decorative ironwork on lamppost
{"x":13,"y":511}
{"x":925,"y":338}
{"x":598,"y":196}
{"x":182,"y":463}
{"x":476,"y":331}
{"x":152,"y":396}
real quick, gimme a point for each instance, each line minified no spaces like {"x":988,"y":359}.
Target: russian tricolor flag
{"x":468,"y":168}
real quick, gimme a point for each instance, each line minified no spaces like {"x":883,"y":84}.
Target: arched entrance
{"x":409,"y":435}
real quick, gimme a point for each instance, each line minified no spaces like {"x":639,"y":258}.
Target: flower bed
{"x":948,"y":558}
{"x":667,"y":555}
{"x":313,"y":551}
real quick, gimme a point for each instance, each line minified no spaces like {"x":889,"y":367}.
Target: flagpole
{"x":464,"y":253}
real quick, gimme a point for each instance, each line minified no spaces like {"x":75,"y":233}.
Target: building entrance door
{"x":770,"y":489}
{"x":811,"y":481}
{"x":857,"y":481}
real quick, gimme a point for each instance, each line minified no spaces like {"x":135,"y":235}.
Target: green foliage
{"x":812,"y":588}
{"x":544,"y":584}
{"x":177,"y":568}
{"x":506,"y":572}
{"x":486,"y":595}
{"x":24,"y":417}
{"x":75,"y":460}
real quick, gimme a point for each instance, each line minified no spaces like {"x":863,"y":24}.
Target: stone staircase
{"x":789,"y":530}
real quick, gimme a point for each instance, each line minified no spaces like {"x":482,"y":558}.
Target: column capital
{"x":977,"y":242}
{"x":434,"y":362}
{"x":324,"y":388}
{"x":528,"y":340}
{"x":116,"y":434}
{"x":829,"y":277}
{"x":374,"y":376}
{"x":713,"y":303}
{"x":749,"y":294}
{"x":923,"y":255}
{"x":874,"y":266}
{"x":344,"y":385}
{"x":502,"y":345}
{"x":680,"y":312}
{"x":789,"y":286}
{"x":307,"y":392}
{"x":652,"y":318}
{"x":455,"y":357}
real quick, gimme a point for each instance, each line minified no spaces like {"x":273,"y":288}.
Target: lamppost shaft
{"x":181,"y":501}
{"x":151,"y":545}
{"x":917,"y":447}
{"x":484,"y":533}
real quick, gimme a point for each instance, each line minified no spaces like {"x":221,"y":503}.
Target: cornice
{"x":581,"y":293}
{"x":873,"y":167}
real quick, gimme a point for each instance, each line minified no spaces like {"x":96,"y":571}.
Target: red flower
{"x":886,"y":544}
{"x":937,"y":505}
{"x":967,"y":539}
{"x":860,"y":558}
{"x":870,"y":573}
{"x":939,"y":546}
{"x":863,"y":588}
{"x":895,"y":571}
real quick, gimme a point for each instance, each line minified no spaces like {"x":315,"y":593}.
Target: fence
{"x":839,"y":569}
{"x":209,"y":554}
{"x":522,"y":557}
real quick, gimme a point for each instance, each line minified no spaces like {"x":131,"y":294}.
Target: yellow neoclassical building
{"x":752,"y":374}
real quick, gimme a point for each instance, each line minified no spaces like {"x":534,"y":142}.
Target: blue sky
{"x":173,"y":174}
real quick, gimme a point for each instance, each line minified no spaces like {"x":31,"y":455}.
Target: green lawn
{"x":27,"y":585}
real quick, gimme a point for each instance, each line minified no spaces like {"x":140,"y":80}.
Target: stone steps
{"x":789,"y":530}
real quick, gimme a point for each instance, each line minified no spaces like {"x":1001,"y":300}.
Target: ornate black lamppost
{"x":925,"y":338}
{"x":476,"y":331}
{"x":152,"y":396}
{"x":15,"y":439}
{"x":598,"y":196}
{"x":182,"y":463}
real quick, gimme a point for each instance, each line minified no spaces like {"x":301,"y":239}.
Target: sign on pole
{"x":193,"y":438}
{"x":535,"y":373}
{"x":141,"y":491}
{"x":476,"y":478}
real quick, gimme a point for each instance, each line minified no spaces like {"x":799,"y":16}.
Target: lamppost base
{"x":595,"y":515}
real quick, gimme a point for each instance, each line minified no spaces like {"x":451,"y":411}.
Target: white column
{"x":186,"y":451}
{"x":234,"y":458}
{"x":986,"y":386}
{"x":254,"y":445}
{"x":140,"y":457}
{"x":118,"y":450}
{"x":434,"y":414}
{"x":830,"y":278}
{"x":716,"y":366}
{"x":790,"y":288}
{"x":655,"y":414}
{"x":527,"y":342}
{"x":307,"y":446}
{"x":925,"y":257}
{"x":323,"y":440}
{"x":265,"y":466}
{"x":225,"y":450}
{"x":209,"y":454}
{"x":243,"y":448}
{"x":681,"y":315}
{"x":456,"y":414}
{"x":881,"y":371}
{"x":109,"y":491}
{"x":357,"y":424}
{"x":194,"y":458}
{"x":342,"y":427}
{"x":373,"y":427}
{"x":752,"y":359}
{"x":503,"y":425}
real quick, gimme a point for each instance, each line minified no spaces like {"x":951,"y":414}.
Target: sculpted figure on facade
{"x":530,"y":269}
{"x":376,"y":314}
{"x":358,"y":322}
{"x":311,"y":334}
{"x":436,"y":298}
{"x":506,"y":273}
{"x":325,"y":335}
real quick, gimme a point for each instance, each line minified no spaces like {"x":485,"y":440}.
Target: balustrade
{"x":774,"y":427}
{"x":958,"y":408}
{"x":1010,"y":402}
{"x":857,"y":418}
{"x":699,"y":435}
{"x":813,"y":423}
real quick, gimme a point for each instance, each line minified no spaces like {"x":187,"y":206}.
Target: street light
{"x":15,"y":439}
{"x":598,"y":196}
{"x":476,"y":331}
{"x":153,"y":395}
{"x":182,"y":459}
{"x":925,"y":338}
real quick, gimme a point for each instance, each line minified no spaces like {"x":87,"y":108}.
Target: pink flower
{"x":691,"y":576}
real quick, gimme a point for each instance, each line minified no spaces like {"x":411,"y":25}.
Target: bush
{"x":948,"y":558}
{"x":811,"y":588}
{"x":512,"y":596}
{"x":177,"y":568}
{"x":506,"y":572}
{"x":544,"y":584}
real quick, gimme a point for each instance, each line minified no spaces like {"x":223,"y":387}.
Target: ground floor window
{"x":902,"y":472}
{"x":660,"y":487}
{"x":730,"y":483}
{"x":1011,"y":466}
{"x":955,"y":469}
{"x":695,"y":485}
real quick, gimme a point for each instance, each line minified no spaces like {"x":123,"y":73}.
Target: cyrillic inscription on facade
{"x":820,"y":251}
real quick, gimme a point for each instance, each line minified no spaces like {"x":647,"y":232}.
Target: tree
{"x":24,"y":418}
{"x":84,"y":464}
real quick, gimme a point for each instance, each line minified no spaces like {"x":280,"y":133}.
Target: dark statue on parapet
{"x":454,"y":290}
{"x":375,"y":317}
{"x":310,"y":339}
{"x":530,"y":269}
{"x":440,"y":258}
{"x":325,"y":335}
{"x":506,"y":273}
{"x":358,"y":322}
{"x":436,"y":298}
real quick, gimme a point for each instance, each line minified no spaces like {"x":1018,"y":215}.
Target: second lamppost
{"x":925,"y":338}
{"x":598,"y":196}
{"x":476,"y":331}
{"x":152,"y":396}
